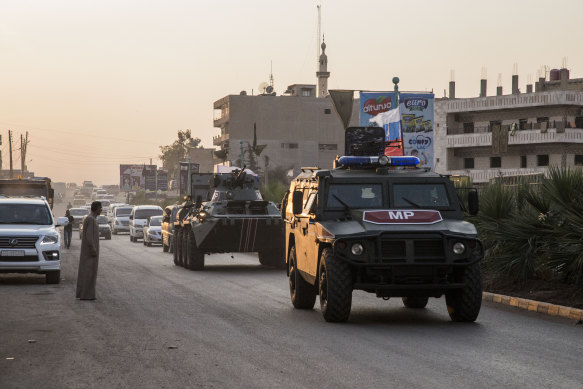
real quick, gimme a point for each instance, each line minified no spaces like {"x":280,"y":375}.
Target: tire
{"x":463,"y":305}
{"x":175,"y":255}
{"x":53,"y":277}
{"x":335,"y":286}
{"x":184,"y":249}
{"x":195,"y":256}
{"x":171,"y":245}
{"x":415,"y":302}
{"x":273,"y":258}
{"x":303,"y":294}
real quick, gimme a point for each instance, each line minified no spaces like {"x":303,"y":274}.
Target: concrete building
{"x":520,"y":133}
{"x":298,"y":128}
{"x":205,"y":157}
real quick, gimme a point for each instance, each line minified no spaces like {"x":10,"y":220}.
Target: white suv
{"x":29,"y":240}
{"x":139,"y":218}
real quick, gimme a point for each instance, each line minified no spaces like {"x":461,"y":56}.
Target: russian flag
{"x":391,"y":122}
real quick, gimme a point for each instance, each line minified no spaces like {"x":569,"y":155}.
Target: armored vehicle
{"x":379,"y":224}
{"x":234,"y":218}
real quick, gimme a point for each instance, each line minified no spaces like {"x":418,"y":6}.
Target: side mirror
{"x":473,"y":204}
{"x":298,"y":198}
{"x":62,"y":221}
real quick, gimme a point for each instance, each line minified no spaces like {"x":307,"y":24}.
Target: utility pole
{"x":10,"y":145}
{"x":23,"y":147}
{"x":0,"y":156}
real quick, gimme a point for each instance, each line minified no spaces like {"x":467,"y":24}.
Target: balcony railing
{"x":484,"y":176}
{"x":570,"y":135}
{"x":220,"y":139}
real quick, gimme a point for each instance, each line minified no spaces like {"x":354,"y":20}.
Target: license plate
{"x":13,"y":253}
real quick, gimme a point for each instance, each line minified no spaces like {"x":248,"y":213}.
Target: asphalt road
{"x":155,"y":325}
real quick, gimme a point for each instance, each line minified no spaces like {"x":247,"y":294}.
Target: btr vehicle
{"x":381,"y":225}
{"x":234,"y":219}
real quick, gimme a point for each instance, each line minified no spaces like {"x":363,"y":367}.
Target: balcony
{"x":220,"y":139}
{"x":482,"y":138}
{"x":218,"y":122}
{"x":484,"y":176}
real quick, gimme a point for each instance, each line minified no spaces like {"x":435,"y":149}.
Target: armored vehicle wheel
{"x":273,"y":258}
{"x":303,"y":294}
{"x":184,"y":249}
{"x":415,"y":302}
{"x":53,"y":277}
{"x":175,"y":257}
{"x":335,"y":284}
{"x":195,"y":256}
{"x":171,"y":245}
{"x":464,"y":304}
{"x":178,"y":248}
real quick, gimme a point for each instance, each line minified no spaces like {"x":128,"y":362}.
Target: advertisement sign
{"x":416,"y":111}
{"x":162,"y":180}
{"x":183,"y":176}
{"x":140,"y":177}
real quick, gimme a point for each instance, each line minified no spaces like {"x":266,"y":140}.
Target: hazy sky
{"x":99,"y":83}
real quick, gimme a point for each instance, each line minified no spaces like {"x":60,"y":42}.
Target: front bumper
{"x":34,"y":260}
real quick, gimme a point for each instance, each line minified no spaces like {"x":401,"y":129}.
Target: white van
{"x":139,"y":218}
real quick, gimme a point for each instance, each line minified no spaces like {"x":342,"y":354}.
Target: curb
{"x":535,"y":306}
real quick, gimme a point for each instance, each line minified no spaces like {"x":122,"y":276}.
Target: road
{"x":155,"y":325}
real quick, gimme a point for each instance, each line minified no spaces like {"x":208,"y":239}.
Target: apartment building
{"x":504,"y":135}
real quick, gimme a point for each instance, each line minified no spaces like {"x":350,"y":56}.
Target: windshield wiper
{"x":346,"y":206}
{"x":411,"y":202}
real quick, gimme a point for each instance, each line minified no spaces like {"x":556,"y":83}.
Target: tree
{"x":177,"y":151}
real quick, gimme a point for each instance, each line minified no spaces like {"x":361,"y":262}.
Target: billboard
{"x":140,"y":177}
{"x":416,"y":110}
{"x":183,"y":177}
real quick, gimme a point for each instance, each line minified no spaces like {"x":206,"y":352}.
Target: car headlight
{"x":459,"y":248}
{"x":357,"y":249}
{"x":50,"y":239}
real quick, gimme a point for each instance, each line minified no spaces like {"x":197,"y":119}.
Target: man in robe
{"x":89,"y":254}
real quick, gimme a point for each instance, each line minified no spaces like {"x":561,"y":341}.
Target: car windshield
{"x":123,"y":211}
{"x":156,"y":221}
{"x":25,"y":214}
{"x":420,"y":196}
{"x":79,"y":212}
{"x":355,"y":196}
{"x":146,"y":213}
{"x":101,"y":219}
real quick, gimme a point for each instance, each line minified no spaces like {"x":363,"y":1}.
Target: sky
{"x":101,"y":83}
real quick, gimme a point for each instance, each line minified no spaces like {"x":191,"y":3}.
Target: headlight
{"x":383,"y":160}
{"x":459,"y":248}
{"x":202,"y":215}
{"x":50,"y":239}
{"x":357,"y":249}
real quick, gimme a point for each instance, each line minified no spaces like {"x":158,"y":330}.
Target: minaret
{"x":323,"y":73}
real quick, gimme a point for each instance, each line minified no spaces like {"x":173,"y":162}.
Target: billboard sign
{"x":183,"y":176}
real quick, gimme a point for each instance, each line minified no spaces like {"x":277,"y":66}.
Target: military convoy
{"x":233,"y":218}
{"x":381,"y":225}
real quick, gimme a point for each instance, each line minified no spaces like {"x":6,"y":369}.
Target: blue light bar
{"x":353,"y":160}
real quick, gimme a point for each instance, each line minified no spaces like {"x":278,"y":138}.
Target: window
{"x":327,"y":111}
{"x":578,"y":159}
{"x":495,"y":162}
{"x":289,"y":145}
{"x":309,"y":205}
{"x":542,"y":120}
{"x":306,"y":92}
{"x":542,"y":160}
{"x":523,"y":161}
{"x":522,"y":124}
{"x":468,"y":163}
{"x":469,"y":128}
{"x":420,"y":196}
{"x":494,"y":123}
{"x":355,"y":195}
{"x":328,"y":147}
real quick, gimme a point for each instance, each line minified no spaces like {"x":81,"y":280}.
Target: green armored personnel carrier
{"x":234,"y":219}
{"x":381,"y":225}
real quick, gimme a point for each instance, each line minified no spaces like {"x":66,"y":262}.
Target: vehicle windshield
{"x":355,"y":196}
{"x":104,"y":203}
{"x":101,"y":219}
{"x":123,"y":211}
{"x":79,"y":212}
{"x":38,"y":214}
{"x":156,"y":221}
{"x":420,"y":196}
{"x":146,"y":213}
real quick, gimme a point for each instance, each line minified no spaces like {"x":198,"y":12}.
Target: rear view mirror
{"x":297,"y":200}
{"x":473,"y":205}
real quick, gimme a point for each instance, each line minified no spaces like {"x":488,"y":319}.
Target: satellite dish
{"x":262,"y":87}
{"x":269,"y":89}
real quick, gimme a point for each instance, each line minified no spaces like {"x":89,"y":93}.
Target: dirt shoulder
{"x":539,"y":290}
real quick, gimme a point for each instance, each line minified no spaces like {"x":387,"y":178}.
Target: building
{"x":298,"y":128}
{"x":504,"y":135}
{"x":205,"y":158}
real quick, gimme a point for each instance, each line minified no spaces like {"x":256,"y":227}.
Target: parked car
{"x":104,"y":229}
{"x":168,"y":227}
{"x":121,"y":219}
{"x":78,"y":215}
{"x":139,"y":218}
{"x":153,"y":231}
